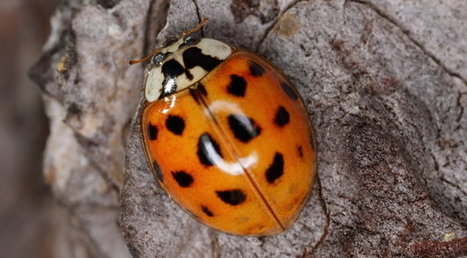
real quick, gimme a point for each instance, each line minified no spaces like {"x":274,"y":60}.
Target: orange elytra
{"x":227,"y":136}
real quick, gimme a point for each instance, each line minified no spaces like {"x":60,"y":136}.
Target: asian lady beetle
{"x":227,"y":136}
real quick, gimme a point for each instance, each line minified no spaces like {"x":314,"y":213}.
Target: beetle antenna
{"x":198,"y":27}
{"x":155,"y":51}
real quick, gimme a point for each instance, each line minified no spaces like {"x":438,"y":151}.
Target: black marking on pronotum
{"x":189,"y":76}
{"x":207,"y":211}
{"x":232,"y":197}
{"x":157,"y":171}
{"x":282,"y":116}
{"x":255,"y":69}
{"x":276,"y":169}
{"x":194,"y":57}
{"x":237,"y":86}
{"x":300,"y":151}
{"x":171,"y":70}
{"x":153,"y":131}
{"x":243,"y":128}
{"x":289,"y":90}
{"x":175,"y":124}
{"x":204,"y":156}
{"x":183,"y":178}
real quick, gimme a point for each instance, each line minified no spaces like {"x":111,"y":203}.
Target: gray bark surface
{"x":385,"y":84}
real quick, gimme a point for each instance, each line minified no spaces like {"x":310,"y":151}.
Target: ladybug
{"x":227,"y":136}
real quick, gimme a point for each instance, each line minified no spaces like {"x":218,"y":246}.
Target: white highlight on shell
{"x":222,"y":105}
{"x":234,"y":168}
{"x":153,"y":86}
{"x":172,"y":100}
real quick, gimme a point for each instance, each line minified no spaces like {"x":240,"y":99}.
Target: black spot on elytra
{"x":194,"y":57}
{"x":183,"y":178}
{"x":152,"y":132}
{"x":157,"y":171}
{"x":207,"y":211}
{"x":232,"y":197}
{"x":255,"y":69}
{"x":175,"y":124}
{"x":237,"y":86}
{"x":204,"y":142}
{"x":289,"y":90}
{"x":243,"y":128}
{"x":300,"y":151}
{"x":276,"y":169}
{"x":282,"y":116}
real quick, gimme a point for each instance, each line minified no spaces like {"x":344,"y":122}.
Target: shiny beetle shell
{"x":227,"y":136}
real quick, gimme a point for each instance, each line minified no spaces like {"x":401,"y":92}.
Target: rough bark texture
{"x":385,"y":84}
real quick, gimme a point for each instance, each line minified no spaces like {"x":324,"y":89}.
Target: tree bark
{"x":385,"y":85}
